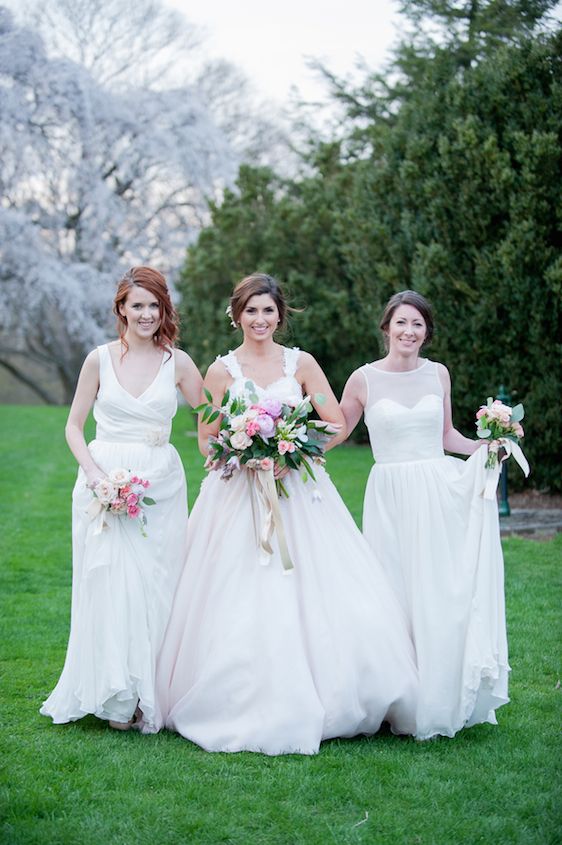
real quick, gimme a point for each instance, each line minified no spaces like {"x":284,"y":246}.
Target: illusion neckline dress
{"x":260,"y":661}
{"x":122,"y":582}
{"x":438,"y":539}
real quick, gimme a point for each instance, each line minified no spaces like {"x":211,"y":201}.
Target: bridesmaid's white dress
{"x":122,"y":582}
{"x":257,"y":660}
{"x":439,"y":542}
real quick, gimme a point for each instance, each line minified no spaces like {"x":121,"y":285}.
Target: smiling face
{"x":406,"y":331}
{"x":259,"y":317}
{"x":141,"y":310}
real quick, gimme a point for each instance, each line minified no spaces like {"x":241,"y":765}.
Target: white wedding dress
{"x":257,"y":660}
{"x":439,"y":542}
{"x":122,"y":582}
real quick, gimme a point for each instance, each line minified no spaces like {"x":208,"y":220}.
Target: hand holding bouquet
{"x":122,"y":494}
{"x":501,"y":426}
{"x":263,"y":433}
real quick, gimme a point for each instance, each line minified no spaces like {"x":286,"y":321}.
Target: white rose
{"x":105,"y":491}
{"x":238,"y":423}
{"x":240,"y":440}
{"x":119,"y":476}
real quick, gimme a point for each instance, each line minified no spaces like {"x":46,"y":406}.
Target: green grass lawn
{"x":83,"y":783}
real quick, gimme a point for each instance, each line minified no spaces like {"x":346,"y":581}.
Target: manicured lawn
{"x":83,"y":783}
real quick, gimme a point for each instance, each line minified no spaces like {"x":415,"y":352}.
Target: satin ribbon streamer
{"x":511,"y":448}
{"x":267,"y":517}
{"x":96,"y":510}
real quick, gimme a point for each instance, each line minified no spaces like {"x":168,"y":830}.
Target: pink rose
{"x":252,"y":427}
{"x":145,"y":484}
{"x":135,"y":479}
{"x":133,"y":511}
{"x":518,"y":429}
{"x":481,"y":412}
{"x":285,"y":446}
{"x":132,"y":500}
{"x":266,"y":464}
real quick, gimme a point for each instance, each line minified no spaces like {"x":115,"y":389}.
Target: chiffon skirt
{"x":258,"y":660}
{"x":439,"y":543}
{"x":122,"y":590}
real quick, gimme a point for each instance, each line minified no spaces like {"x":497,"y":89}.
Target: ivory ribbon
{"x":96,"y":510}
{"x":267,"y":517}
{"x":493,"y":474}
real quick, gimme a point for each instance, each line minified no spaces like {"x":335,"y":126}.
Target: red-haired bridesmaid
{"x":124,"y":572}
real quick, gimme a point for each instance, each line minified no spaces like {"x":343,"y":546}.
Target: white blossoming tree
{"x":92,"y":181}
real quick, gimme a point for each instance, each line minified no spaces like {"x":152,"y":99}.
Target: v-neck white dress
{"x":122,"y":582}
{"x":257,"y":660}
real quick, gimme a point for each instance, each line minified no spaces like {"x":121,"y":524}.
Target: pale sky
{"x":269,"y":41}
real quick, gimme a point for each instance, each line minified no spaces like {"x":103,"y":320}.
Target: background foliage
{"x":446,"y":180}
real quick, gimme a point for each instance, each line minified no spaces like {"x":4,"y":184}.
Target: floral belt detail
{"x":157,"y":437}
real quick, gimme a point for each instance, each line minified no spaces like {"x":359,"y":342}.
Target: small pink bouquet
{"x":261,"y":433}
{"x":501,"y":426}
{"x":121,"y":494}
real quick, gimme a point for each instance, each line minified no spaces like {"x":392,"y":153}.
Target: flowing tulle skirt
{"x":257,"y":660}
{"x":439,"y":543}
{"x":122,"y":591}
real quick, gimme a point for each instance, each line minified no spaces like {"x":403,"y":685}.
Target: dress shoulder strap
{"x":231,"y":364}
{"x":290,"y":360}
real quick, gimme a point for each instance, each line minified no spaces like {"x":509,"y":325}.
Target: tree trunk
{"x":27,"y":381}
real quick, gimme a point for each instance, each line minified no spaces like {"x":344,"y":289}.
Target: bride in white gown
{"x":122,"y":582}
{"x":261,"y":661}
{"x":426,"y":520}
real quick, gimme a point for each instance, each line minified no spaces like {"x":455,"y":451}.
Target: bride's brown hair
{"x":155,"y":283}
{"x":255,"y":285}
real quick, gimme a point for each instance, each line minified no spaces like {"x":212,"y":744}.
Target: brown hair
{"x":255,"y":285}
{"x":416,"y":300}
{"x":154,"y":282}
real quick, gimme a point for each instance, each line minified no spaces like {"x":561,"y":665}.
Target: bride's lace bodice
{"x":404,"y":413}
{"x":286,"y":388}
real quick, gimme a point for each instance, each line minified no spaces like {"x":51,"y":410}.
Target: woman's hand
{"x":280,"y":472}
{"x":94,"y":476}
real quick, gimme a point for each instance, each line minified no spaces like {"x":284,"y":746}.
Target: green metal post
{"x":504,"y":509}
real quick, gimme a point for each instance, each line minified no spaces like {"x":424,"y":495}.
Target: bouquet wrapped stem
{"x":500,"y":425}
{"x":260,"y":435}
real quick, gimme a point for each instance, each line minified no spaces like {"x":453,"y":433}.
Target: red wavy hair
{"x":155,"y":283}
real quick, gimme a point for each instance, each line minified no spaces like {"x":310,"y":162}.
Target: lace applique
{"x":291,"y":360}
{"x":231,"y":364}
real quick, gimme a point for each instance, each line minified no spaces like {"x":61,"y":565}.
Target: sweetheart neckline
{"x":400,"y":405}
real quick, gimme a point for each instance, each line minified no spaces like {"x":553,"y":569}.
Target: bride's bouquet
{"x":500,"y":425}
{"x":261,"y":433}
{"x":121,"y":494}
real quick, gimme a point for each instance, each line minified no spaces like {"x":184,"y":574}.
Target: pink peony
{"x":266,"y":425}
{"x":271,"y":407}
